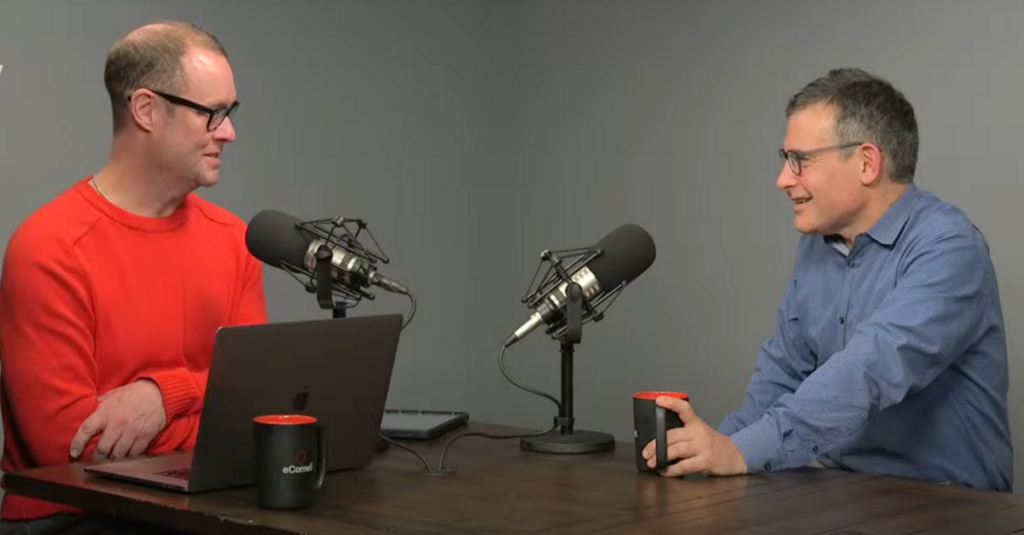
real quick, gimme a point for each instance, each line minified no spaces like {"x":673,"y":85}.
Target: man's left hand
{"x":129,"y":418}
{"x":701,"y":448}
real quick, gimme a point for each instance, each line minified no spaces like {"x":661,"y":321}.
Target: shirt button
{"x":815,"y":449}
{"x":767,"y":466}
{"x":842,"y":320}
{"x":852,"y":264}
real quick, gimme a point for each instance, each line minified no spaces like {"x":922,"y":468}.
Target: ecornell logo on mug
{"x":300,"y":460}
{"x":292,"y":469}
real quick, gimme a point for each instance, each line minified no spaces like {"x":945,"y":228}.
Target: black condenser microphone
{"x":280,"y":240}
{"x":622,"y":256}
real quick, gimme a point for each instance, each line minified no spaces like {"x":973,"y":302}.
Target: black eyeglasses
{"x":796,"y":157}
{"x":217,"y":115}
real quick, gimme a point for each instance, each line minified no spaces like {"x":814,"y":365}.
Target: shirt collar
{"x":888,"y":227}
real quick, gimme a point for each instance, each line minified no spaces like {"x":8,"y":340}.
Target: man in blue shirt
{"x":889,"y":356}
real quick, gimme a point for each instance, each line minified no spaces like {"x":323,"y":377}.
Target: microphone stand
{"x":567,"y":439}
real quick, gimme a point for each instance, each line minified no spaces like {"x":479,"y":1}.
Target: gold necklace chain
{"x":97,"y":185}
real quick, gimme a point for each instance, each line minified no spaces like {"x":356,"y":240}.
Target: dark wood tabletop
{"x":498,"y":489}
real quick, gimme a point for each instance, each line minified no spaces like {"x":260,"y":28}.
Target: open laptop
{"x":337,"y":370}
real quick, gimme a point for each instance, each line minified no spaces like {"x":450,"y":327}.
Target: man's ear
{"x":143,"y":108}
{"x":872,"y":163}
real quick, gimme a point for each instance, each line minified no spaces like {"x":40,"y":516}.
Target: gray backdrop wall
{"x":472,"y":135}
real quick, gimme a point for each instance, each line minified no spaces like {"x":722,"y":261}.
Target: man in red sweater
{"x":111,"y":294}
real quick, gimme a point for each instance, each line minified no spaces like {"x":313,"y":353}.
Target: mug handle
{"x":660,"y":437}
{"x":321,"y":459}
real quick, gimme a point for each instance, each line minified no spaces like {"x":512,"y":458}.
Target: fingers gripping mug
{"x":651,"y":422}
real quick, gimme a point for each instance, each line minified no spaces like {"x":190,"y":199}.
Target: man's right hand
{"x":128,"y":417}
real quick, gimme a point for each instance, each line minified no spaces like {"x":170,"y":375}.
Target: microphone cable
{"x":395,"y":443}
{"x":440,"y":463}
{"x":444,"y":451}
{"x":412,"y":309}
{"x":508,"y":376}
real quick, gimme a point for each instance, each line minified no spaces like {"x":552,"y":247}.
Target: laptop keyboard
{"x":180,"y":473}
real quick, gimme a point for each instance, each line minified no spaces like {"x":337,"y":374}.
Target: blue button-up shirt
{"x":888,"y":358}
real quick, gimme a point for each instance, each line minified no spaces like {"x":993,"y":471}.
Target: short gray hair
{"x":868,"y":108}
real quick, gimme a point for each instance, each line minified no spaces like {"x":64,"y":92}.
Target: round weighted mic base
{"x":579,"y":441}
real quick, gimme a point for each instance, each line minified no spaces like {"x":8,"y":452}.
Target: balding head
{"x":150,"y":57}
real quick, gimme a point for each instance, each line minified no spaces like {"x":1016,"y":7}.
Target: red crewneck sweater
{"x":93,"y":297}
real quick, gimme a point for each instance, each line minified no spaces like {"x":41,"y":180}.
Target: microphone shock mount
{"x":339,"y":289}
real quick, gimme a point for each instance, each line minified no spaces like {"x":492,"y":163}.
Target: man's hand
{"x":701,"y":448}
{"x":129,"y":417}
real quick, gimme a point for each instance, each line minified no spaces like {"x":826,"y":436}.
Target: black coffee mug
{"x":290,"y":460}
{"x":651,"y":422}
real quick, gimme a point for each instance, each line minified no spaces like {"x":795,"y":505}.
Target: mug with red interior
{"x":290,"y":460}
{"x":651,"y":422}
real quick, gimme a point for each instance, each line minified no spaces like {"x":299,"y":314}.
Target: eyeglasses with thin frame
{"x":216,"y":115}
{"x":796,"y":157}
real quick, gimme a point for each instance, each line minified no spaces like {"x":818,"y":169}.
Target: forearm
{"x":179,"y":434}
{"x":800,"y":426}
{"x":767,"y":385}
{"x":749,"y":412}
{"x":46,"y":430}
{"x":877,"y":370}
{"x":182,"y":389}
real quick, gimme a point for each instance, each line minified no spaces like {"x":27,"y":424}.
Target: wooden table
{"x":499,"y":489}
